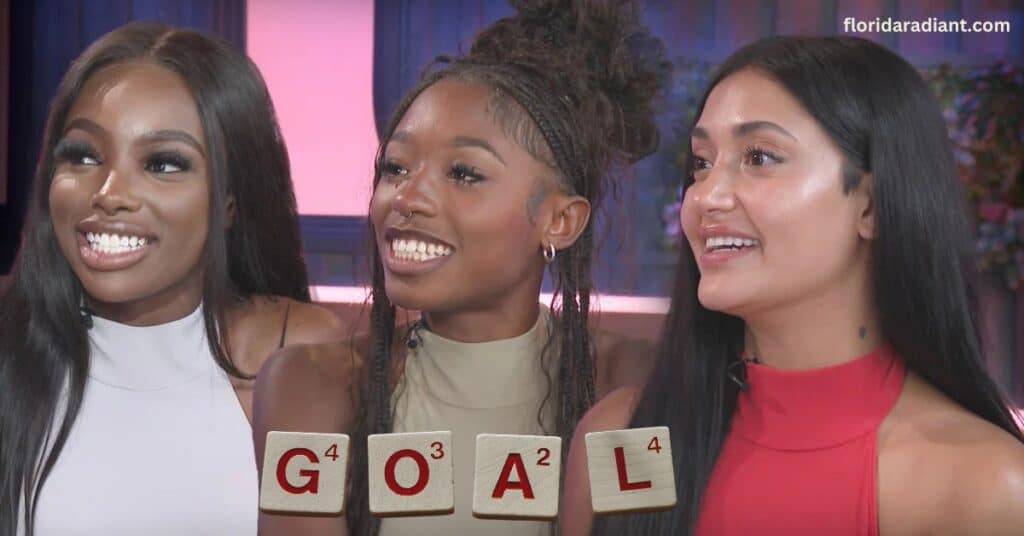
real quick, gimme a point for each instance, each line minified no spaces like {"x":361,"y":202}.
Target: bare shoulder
{"x":620,"y":360}
{"x":613,"y":412}
{"x":309,"y":387}
{"x":306,"y":388}
{"x":949,"y":471}
{"x":258,"y":324}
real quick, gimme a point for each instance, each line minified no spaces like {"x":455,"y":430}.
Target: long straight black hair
{"x":44,"y":348}
{"x":883,"y":117}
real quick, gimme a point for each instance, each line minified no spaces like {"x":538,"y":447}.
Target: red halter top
{"x":801,"y":455}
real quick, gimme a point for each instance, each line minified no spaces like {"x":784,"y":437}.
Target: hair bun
{"x":599,"y":54}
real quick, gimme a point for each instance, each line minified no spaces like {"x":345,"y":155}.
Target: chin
{"x":411,"y":297}
{"x":722,"y":299}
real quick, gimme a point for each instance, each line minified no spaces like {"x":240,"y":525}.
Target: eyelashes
{"x":167,"y":162}
{"x":75,"y":152}
{"x":79,"y":153}
{"x":460,"y":173}
{"x":465,"y":174}
{"x":756,"y":155}
{"x":753,"y":155}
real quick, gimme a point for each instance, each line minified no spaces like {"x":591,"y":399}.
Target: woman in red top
{"x":821,"y":369}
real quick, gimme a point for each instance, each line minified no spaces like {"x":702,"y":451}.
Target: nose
{"x":415,"y":195}
{"x":716,"y":192}
{"x":115,"y":195}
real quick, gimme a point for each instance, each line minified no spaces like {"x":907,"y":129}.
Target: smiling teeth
{"x":418,"y":250}
{"x":719,"y":242}
{"x":112,"y":244}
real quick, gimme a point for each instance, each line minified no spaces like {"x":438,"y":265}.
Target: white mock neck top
{"x":494,"y":387}
{"x":161,"y":445}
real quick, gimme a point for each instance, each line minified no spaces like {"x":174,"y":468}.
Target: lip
{"x":95,"y":225}
{"x":411,"y":267}
{"x":110,"y":262}
{"x":720,"y":258}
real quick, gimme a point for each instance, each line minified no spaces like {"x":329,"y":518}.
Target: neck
{"x":825,"y":331}
{"x":168,"y":305}
{"x":504,"y":322}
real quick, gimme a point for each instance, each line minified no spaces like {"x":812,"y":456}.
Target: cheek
{"x":380,"y":204}
{"x":66,"y":197}
{"x":69,"y":202}
{"x":689,"y":215}
{"x":185,"y":217}
{"x":499,"y":235}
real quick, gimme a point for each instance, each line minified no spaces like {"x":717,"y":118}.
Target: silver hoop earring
{"x":549,"y":253}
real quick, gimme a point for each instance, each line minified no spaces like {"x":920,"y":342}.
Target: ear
{"x":567,"y":220}
{"x":865,"y":199}
{"x":229,"y":211}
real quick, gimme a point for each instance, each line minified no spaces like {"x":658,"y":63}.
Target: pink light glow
{"x":317,"y":60}
{"x":600,"y":302}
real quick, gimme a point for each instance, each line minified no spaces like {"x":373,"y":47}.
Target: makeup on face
{"x":450,"y":210}
{"x":129,"y":198}
{"x":766,"y":217}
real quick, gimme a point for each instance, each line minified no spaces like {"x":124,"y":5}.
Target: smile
{"x":418,"y":250}
{"x":112,"y":244}
{"x":719,"y":243}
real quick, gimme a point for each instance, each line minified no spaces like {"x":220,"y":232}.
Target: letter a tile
{"x":304,"y":472}
{"x":411,"y":474}
{"x":631,"y":470}
{"x":517,"y":476}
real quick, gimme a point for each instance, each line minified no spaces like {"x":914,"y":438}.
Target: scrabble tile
{"x":631,"y":470}
{"x":517,"y":476}
{"x":304,"y":472}
{"x":411,"y":474}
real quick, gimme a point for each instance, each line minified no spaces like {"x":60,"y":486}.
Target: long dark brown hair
{"x":582,"y":77}
{"x":885,"y":121}
{"x":44,"y":344}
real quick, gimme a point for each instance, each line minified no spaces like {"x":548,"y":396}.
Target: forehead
{"x":747,"y":96}
{"x":451,"y":106}
{"x":138,"y":97}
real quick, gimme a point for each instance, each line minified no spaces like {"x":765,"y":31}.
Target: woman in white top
{"x":487,"y":177}
{"x":160,"y":265}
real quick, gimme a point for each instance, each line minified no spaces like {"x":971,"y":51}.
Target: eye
{"x":463,"y":174}
{"x":757,"y":156}
{"x":76,"y":153}
{"x":700,"y":167}
{"x":390,"y":169}
{"x":167,"y":162}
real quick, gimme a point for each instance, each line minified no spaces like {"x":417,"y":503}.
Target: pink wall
{"x":317,"y":59}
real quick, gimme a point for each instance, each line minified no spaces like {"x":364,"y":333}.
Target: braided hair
{"x":574,"y":85}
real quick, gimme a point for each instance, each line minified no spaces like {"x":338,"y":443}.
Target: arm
{"x":613,"y":412}
{"x":987,"y":493}
{"x":304,"y":389}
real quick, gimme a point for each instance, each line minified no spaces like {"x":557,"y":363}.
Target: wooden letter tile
{"x":517,"y":476}
{"x":411,"y":474}
{"x":304,"y":472}
{"x":631,"y":470}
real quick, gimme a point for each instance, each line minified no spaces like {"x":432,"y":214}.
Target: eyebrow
{"x":465,"y":141}
{"x":91,"y":126}
{"x":744,"y":129}
{"x":174,"y":135}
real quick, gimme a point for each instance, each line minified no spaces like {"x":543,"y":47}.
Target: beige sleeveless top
{"x":470,"y":389}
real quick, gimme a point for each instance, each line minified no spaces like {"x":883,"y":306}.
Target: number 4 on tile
{"x":631,"y":470}
{"x":304,"y":472}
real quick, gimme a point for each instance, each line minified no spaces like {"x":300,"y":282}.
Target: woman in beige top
{"x":487,"y":176}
